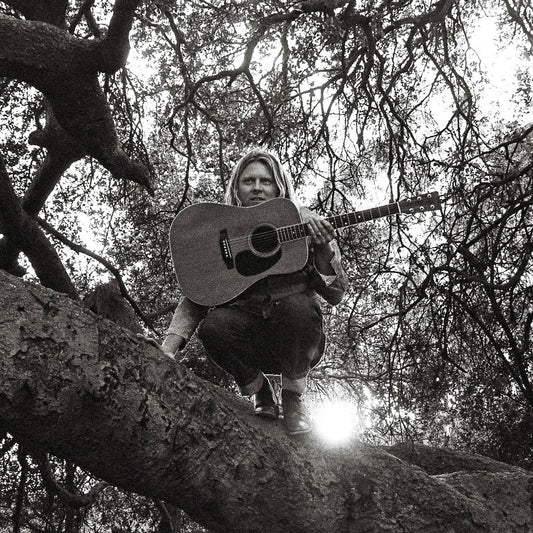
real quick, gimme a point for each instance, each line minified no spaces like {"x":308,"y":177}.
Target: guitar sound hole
{"x":265,"y":239}
{"x":249,"y":264}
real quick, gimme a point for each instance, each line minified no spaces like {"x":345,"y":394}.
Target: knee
{"x":300,"y":312}
{"x":222,"y":325}
{"x":212,"y":327}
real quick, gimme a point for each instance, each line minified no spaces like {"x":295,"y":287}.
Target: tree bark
{"x":23,"y":233}
{"x":65,"y":69}
{"x":40,"y":51}
{"x":89,"y":391}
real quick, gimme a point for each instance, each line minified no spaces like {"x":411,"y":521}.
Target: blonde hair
{"x":284,"y":184}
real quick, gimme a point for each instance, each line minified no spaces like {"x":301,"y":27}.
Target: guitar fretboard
{"x":300,"y":231}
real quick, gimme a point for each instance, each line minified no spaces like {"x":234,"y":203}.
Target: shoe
{"x":265,"y":405}
{"x":295,"y":417}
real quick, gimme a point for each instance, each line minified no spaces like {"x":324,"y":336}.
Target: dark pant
{"x":288,"y":341}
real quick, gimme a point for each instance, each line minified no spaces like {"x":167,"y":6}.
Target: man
{"x":275,"y":326}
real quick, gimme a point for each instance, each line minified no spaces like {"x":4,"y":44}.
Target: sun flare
{"x":336,"y":421}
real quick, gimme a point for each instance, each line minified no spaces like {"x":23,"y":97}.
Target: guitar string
{"x":290,"y":231}
{"x":353,"y":218}
{"x":284,"y":231}
{"x":294,"y":232}
{"x":357,"y":216}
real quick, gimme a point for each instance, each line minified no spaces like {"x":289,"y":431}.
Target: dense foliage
{"x":366,"y":103}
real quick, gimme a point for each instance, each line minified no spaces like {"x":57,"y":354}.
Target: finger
{"x":325,"y":229}
{"x":328,"y":227}
{"x":149,"y":340}
{"x":316,"y":234}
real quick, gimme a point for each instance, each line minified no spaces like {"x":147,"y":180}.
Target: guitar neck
{"x":417,"y":204}
{"x":300,"y":231}
{"x":356,"y":217}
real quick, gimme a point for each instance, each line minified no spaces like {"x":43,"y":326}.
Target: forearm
{"x":173,"y":343}
{"x":331,"y":285}
{"x":184,"y":322}
{"x":323,"y":256}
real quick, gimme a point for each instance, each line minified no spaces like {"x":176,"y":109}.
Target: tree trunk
{"x":89,"y":391}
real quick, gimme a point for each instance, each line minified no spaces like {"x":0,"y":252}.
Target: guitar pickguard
{"x":249,"y":264}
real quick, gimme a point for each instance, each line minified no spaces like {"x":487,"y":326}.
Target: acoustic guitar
{"x":220,"y":250}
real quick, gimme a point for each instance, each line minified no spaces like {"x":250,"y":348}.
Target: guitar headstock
{"x":428,"y":201}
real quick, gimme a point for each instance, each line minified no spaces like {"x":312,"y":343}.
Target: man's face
{"x":256,"y":184}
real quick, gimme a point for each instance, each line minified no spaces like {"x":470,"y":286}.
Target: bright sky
{"x":337,"y":422}
{"x":501,"y":64}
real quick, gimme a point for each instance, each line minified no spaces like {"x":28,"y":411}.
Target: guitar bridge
{"x":225,"y":249}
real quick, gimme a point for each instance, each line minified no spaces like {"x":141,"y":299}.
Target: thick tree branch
{"x":51,"y":11}
{"x":83,"y":11}
{"x":88,"y":391}
{"x":25,"y":235}
{"x":65,"y":69}
{"x":115,"y":46}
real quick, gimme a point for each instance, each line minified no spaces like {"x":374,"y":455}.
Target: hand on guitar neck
{"x":322,"y":233}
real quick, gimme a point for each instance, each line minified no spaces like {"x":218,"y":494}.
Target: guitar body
{"x":220,"y":250}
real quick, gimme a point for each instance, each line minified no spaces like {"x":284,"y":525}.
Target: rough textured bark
{"x":24,"y":234}
{"x":65,"y":69}
{"x":42,"y":52}
{"x":83,"y":388}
